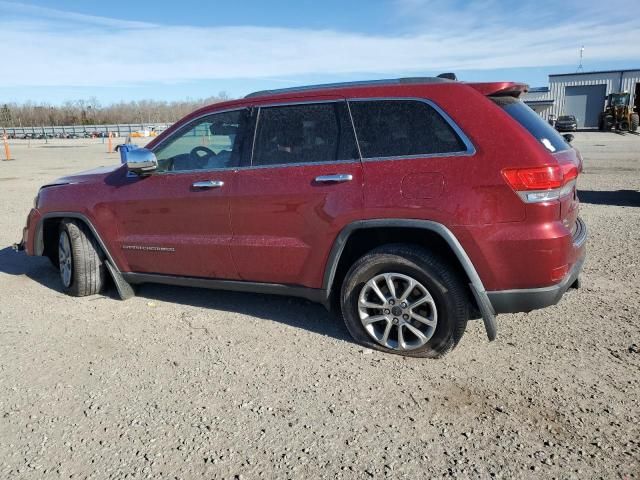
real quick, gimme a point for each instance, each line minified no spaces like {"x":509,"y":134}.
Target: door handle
{"x":340,"y":177}
{"x":208,"y":184}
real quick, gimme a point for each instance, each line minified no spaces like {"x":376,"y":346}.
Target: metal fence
{"x":121,"y":130}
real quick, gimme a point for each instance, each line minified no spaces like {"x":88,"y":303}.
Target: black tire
{"x":442,"y":282}
{"x":608,"y":123}
{"x":635,"y":121}
{"x":88,"y":272}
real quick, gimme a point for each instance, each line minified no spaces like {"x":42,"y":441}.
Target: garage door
{"x":585,"y":102}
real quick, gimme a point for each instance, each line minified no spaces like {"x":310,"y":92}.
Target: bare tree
{"x":91,"y":112}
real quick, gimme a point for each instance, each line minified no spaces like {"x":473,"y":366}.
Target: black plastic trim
{"x":477,"y":287}
{"x":312,"y":294}
{"x":525,"y":300}
{"x":125,"y":290}
{"x":39,"y":241}
{"x":444,"y":232}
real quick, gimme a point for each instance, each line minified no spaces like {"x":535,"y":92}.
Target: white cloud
{"x":46,"y":47}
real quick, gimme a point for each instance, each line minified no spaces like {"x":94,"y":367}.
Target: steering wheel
{"x":195,"y":153}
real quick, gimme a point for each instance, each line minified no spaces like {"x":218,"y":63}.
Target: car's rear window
{"x":535,"y":125}
{"x":400,"y":128}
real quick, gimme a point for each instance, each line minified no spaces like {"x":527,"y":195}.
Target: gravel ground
{"x":188,"y":383}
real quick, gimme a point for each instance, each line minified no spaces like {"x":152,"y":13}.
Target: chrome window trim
{"x":298,"y":164}
{"x":470,"y":149}
{"x":250,"y":167}
{"x":181,"y":129}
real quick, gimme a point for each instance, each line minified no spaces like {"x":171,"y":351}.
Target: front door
{"x":304,"y":183}
{"x":176,"y":220}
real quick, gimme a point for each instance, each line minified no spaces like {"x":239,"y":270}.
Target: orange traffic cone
{"x":7,"y":152}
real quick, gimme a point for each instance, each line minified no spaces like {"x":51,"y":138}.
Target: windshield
{"x":619,"y":100}
{"x":535,"y":125}
{"x":567,"y":118}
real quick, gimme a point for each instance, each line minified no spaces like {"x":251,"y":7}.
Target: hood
{"x":83,"y":177}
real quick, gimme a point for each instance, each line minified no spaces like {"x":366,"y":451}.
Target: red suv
{"x":410,"y":205}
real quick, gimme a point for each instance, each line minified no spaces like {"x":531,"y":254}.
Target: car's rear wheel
{"x":402,"y":299}
{"x":82,"y":270}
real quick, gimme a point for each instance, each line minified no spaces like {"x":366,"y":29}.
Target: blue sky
{"x":127,"y":50}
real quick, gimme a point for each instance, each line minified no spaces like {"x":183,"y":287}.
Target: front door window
{"x":212,"y":142}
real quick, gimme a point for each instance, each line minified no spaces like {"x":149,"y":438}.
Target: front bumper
{"x":28,"y":233}
{"x":20,"y":246}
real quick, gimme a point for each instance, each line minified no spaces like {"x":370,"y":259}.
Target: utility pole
{"x":580,"y":67}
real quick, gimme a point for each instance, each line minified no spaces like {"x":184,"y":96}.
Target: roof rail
{"x":365,"y":83}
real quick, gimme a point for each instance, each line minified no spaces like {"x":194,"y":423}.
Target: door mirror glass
{"x":568,"y":137}
{"x":139,"y":160}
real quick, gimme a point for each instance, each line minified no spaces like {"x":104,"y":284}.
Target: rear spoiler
{"x":501,"y":89}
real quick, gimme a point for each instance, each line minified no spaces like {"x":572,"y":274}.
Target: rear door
{"x":410,"y":153}
{"x":302,"y":184}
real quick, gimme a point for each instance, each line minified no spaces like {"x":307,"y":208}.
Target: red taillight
{"x":569,"y":172}
{"x":542,"y":184}
{"x":536,"y":178}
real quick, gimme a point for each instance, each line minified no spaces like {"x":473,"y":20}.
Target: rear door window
{"x":305,"y":133}
{"x":533,"y":123}
{"x":398,"y":128}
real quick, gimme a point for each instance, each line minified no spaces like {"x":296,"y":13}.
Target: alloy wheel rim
{"x":64,"y":257}
{"x":397,"y":311}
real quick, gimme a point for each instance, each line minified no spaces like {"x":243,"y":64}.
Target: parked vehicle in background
{"x":566,"y":123}
{"x":409,"y":206}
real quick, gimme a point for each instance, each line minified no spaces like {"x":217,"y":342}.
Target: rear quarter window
{"x":533,"y":123}
{"x":398,"y":128}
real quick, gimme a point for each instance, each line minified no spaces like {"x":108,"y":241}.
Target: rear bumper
{"x":525,"y":300}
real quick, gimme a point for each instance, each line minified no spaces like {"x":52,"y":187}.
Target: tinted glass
{"x":392,"y":128}
{"x":535,"y":125}
{"x":211,"y":142}
{"x":306,"y":133}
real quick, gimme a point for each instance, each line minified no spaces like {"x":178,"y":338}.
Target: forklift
{"x":618,"y":114}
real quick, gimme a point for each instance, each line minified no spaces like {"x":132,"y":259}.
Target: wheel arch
{"x":433,"y":234}
{"x":48,"y":226}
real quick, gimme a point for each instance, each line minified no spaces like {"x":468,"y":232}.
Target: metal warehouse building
{"x":584,"y":94}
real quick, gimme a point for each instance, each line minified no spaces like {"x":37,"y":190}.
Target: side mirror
{"x":139,"y":160}
{"x":568,"y":137}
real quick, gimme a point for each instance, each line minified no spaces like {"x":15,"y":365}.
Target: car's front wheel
{"x":403,"y":299}
{"x":82,"y":269}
